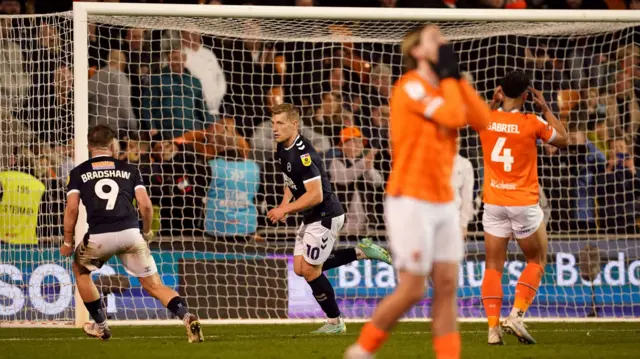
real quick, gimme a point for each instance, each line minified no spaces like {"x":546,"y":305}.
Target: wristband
{"x":66,"y":244}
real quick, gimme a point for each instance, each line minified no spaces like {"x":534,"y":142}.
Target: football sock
{"x":371,"y":338}
{"x":178,"y":306}
{"x":325,"y":296}
{"x":492,"y":296}
{"x":95,"y":310}
{"x":339,"y":258}
{"x":447,"y":346}
{"x":527,"y":288}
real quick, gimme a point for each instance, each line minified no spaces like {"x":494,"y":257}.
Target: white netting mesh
{"x":190,"y":98}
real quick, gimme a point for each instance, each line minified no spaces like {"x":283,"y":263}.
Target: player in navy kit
{"x":306,"y":180}
{"x":107,"y":188}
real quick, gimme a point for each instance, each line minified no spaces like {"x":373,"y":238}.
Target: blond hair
{"x":410,"y":41}
{"x":293,"y":113}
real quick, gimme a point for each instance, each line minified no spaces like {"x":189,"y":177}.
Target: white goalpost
{"x":189,"y":89}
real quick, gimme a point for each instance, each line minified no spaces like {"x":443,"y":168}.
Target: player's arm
{"x":555,"y":135}
{"x":312,"y":197}
{"x":446,"y":109}
{"x":71,"y":217}
{"x":144,"y":205}
{"x":71,"y":212}
{"x":477,"y":109}
{"x":287,"y":197}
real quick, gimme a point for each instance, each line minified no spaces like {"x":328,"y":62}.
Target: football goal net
{"x":189,"y":91}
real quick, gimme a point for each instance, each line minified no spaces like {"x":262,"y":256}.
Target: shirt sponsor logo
{"x":103,"y":165}
{"x":503,"y":185}
{"x":306,"y":160}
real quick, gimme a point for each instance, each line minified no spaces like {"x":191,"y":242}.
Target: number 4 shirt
{"x":509,"y":145}
{"x":107,"y":189}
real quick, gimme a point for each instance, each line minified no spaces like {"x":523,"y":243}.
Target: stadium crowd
{"x":193,"y":111}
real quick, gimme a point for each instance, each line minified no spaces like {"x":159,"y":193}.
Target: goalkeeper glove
{"x":447,"y":65}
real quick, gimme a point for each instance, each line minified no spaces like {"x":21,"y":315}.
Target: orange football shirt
{"x":423,"y":129}
{"x":510,"y":151}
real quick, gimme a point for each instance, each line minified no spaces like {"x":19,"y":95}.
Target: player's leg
{"x":89,"y":257}
{"x":497,"y":232}
{"x":138,"y":262}
{"x":532,"y":239}
{"x":410,"y":236}
{"x":366,"y":249}
{"x":313,"y":247}
{"x":448,"y":251}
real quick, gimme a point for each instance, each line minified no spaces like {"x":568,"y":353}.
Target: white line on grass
{"x":257,"y":336}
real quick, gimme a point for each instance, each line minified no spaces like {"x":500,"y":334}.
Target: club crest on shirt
{"x":306,"y":160}
{"x":103,"y":165}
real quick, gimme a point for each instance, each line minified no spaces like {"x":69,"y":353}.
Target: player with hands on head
{"x":107,"y":187}
{"x":429,"y":103}
{"x":306,"y":181}
{"x":511,"y":199}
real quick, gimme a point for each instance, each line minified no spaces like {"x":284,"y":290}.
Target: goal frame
{"x":82,"y":10}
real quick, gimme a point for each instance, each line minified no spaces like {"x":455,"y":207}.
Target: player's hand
{"x":148,"y":236}
{"x":539,"y":100}
{"x":447,"y":65}
{"x":276,"y":214}
{"x":66,"y":250}
{"x":498,"y":96}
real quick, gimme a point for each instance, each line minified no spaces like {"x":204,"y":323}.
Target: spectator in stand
{"x":14,"y":81}
{"x":491,"y":4}
{"x":184,"y":187}
{"x":381,"y":81}
{"x":230,"y":203}
{"x":143,"y":60}
{"x":353,"y":174}
{"x":176,"y":101}
{"x":11,"y":7}
{"x":577,"y":4}
{"x":203,"y":64}
{"x":110,"y":97}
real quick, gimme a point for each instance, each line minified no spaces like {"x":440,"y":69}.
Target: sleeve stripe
{"x":73,"y":191}
{"x":553,"y":135}
{"x":138,"y":187}
{"x":433,"y":106}
{"x":311,"y":179}
{"x":542,"y":120}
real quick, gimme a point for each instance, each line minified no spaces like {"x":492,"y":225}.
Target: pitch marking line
{"x":252,"y":336}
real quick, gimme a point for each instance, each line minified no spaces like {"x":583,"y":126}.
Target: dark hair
{"x":515,"y":83}
{"x":101,"y":136}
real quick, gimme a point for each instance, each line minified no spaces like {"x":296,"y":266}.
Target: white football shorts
{"x":128,"y":245}
{"x":315,"y":241}
{"x":502,"y":221}
{"x":421,"y":233}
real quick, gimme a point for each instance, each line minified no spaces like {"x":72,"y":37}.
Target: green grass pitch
{"x":409,"y":340}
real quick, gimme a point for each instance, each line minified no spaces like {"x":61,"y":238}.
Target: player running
{"x":306,"y":179}
{"x":427,"y":108}
{"x":107,"y":188}
{"x":511,"y":206}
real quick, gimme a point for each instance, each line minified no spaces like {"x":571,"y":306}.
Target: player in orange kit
{"x":511,"y":206}
{"x":427,"y":108}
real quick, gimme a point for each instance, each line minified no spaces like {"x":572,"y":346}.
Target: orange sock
{"x":492,"y":296}
{"x":527,"y":288}
{"x":371,"y":338}
{"x":447,"y":346}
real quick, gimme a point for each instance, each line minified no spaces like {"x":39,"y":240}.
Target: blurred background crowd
{"x":193,"y":111}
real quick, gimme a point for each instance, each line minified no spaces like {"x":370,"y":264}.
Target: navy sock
{"x":95,"y":310}
{"x":339,"y":258}
{"x":178,"y":306}
{"x":325,"y":296}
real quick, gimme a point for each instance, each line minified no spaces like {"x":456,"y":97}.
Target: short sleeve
{"x":544,"y":130}
{"x":73,"y":182}
{"x":137,"y":180}
{"x":309,"y":170}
